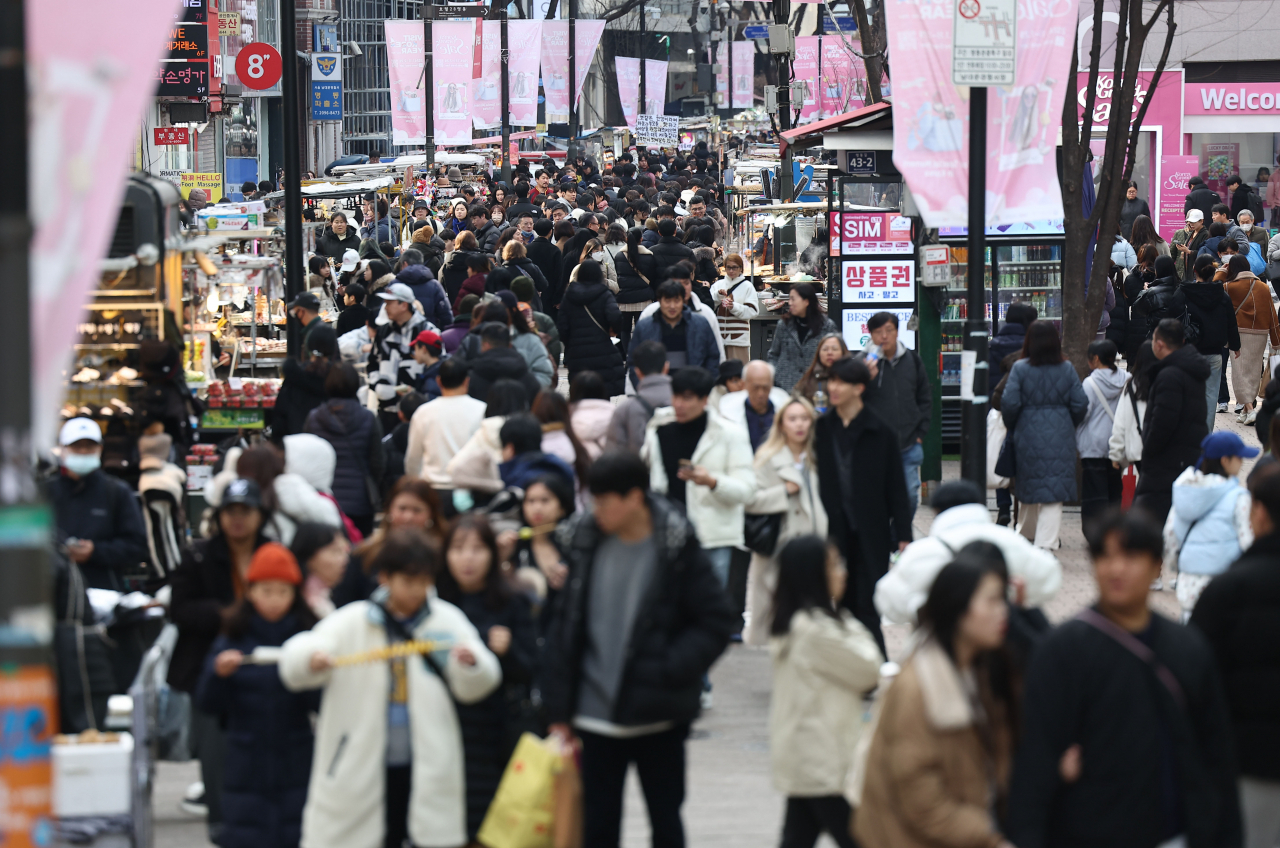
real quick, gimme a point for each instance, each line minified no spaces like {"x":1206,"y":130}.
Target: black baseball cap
{"x":307,"y":301}
{"x":242,"y":491}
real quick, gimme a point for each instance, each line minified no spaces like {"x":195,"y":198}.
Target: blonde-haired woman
{"x":786,"y":485}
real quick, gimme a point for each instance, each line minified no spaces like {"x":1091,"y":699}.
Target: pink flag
{"x":485,"y":93}
{"x":587,"y":34}
{"x":806,"y":72}
{"x":404,"y":70}
{"x":722,"y":78}
{"x":628,"y":87}
{"x":655,"y":86}
{"x":744,"y":74}
{"x":453,"y":48}
{"x":555,"y":61}
{"x":843,"y":85}
{"x":523,"y":43}
{"x":92,"y":77}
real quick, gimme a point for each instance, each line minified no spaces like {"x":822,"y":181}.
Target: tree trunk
{"x":872,"y":49}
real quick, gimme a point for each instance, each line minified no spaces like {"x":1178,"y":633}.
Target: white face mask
{"x":1246,"y":227}
{"x":598,"y":256}
{"x":81,"y":464}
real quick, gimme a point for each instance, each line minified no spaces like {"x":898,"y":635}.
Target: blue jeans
{"x":912,"y":457}
{"x":720,"y":559}
{"x":1214,"y":361}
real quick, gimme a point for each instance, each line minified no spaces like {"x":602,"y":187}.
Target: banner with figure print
{"x":452,"y":66}
{"x":404,"y":71}
{"x":744,"y":74}
{"x":722,"y":78}
{"x":806,"y":72}
{"x":655,"y":86}
{"x":843,"y":85}
{"x":486,"y":96}
{"x":930,"y":129}
{"x":524,"y":42}
{"x":628,"y":87}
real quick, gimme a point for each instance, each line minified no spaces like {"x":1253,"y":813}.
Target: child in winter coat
{"x":1103,"y":387}
{"x":388,"y":754}
{"x":268,"y":729}
{"x":1208,"y":526}
{"x":824,"y":662}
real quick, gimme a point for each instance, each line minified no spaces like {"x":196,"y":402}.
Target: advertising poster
{"x":655,"y":86}
{"x":806,"y":72}
{"x":555,"y":68}
{"x":843,"y":83}
{"x":404,"y":71}
{"x":722,"y":78}
{"x":1176,"y":171}
{"x":876,"y":281}
{"x":1218,"y":161}
{"x":453,"y":46}
{"x":744,"y":74}
{"x":524,"y":42}
{"x":587,"y":34}
{"x":211,"y":184}
{"x":870,"y":233}
{"x":855,"y":332}
{"x":628,"y":87}
{"x":485,"y":93}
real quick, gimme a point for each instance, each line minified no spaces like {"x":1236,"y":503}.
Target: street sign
{"x":984,"y":47}
{"x":258,"y":66}
{"x":862,"y":162}
{"x":658,"y":130}
{"x":458,"y":10}
{"x":755,"y":32}
{"x":228,"y":23}
{"x":170,"y":135}
{"x":846,"y":24}
{"x":937,"y":265}
{"x":326,"y":87}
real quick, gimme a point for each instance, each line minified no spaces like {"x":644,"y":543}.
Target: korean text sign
{"x":326,"y":87}
{"x":878,"y":281}
{"x":870,"y":233}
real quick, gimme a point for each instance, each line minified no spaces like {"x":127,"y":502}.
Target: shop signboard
{"x":658,"y":130}
{"x":189,"y":41}
{"x":1175,"y":171}
{"x":182,"y":79}
{"x":1247,"y":98}
{"x":192,"y":12}
{"x":211,"y":184}
{"x":855,"y":332}
{"x":228,"y":24}
{"x":259,"y":66}
{"x":326,"y":87}
{"x":870,"y":233}
{"x":28,"y":715}
{"x":162,"y":136}
{"x":878,"y":281}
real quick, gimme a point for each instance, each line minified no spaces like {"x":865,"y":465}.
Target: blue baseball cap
{"x":1226,"y":443}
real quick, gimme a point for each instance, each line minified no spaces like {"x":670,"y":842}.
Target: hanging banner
{"x":655,"y":86}
{"x":744,"y":74}
{"x":452,"y":47}
{"x":628,"y":87}
{"x":485,"y":92}
{"x":555,"y":61}
{"x":722,"y":78}
{"x":1176,"y":172}
{"x":806,"y":72}
{"x":523,"y":46}
{"x":844,"y":77}
{"x":404,"y":71}
{"x":91,"y":78}
{"x":930,"y":140}
{"x":587,"y":34}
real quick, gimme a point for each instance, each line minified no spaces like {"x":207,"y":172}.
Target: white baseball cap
{"x":78,"y":429}
{"x":350,"y":259}
{"x":1194,"y":215}
{"x":397,"y":291}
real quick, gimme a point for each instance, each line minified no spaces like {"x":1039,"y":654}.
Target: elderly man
{"x":754,"y":406}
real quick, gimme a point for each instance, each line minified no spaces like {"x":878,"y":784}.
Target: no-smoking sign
{"x":258,"y":66}
{"x":970,"y":8}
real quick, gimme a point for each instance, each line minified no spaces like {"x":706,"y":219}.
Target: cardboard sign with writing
{"x":211,"y":184}
{"x":658,"y":130}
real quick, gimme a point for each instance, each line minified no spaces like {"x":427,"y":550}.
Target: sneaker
{"x":1251,"y":417}
{"x":1003,"y":518}
{"x":193,"y":800}
{"x":1222,"y":407}
{"x":1239,"y":408}
{"x":707,"y":700}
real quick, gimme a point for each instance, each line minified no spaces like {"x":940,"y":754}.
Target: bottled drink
{"x":820,"y":401}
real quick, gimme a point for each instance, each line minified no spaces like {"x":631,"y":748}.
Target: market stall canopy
{"x":400,"y":163}
{"x":867,"y":125}
{"x":497,"y":139}
{"x":327,"y":190}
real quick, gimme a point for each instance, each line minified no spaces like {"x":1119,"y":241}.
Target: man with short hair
{"x":524,"y":226}
{"x":686,"y":340}
{"x":428,"y":352}
{"x":900,"y":394}
{"x":550,"y":260}
{"x":682,"y":273}
{"x":486,"y":233}
{"x":568,"y":192}
{"x":1200,"y":197}
{"x":439,"y":429}
{"x":391,"y":361}
{"x":1242,"y":197}
{"x":1175,"y":421}
{"x":669,"y":250}
{"x":367,"y":208}
{"x":1126,"y":736}
{"x":523,"y":205}
{"x":523,"y":460}
{"x":1222,"y":215}
{"x":863,"y":488}
{"x":498,"y":360}
{"x":653,"y":391}
{"x":305,"y":309}
{"x":542,"y":186}
{"x":632,"y":633}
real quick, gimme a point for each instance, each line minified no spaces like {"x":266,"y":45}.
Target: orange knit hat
{"x":273,"y":561}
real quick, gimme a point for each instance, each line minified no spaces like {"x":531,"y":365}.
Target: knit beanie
{"x":273,"y":561}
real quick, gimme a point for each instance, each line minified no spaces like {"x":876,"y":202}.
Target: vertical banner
{"x":1175,"y":171}
{"x":555,"y":69}
{"x":744,"y":74}
{"x":806,"y":72}
{"x":404,"y":71}
{"x":523,"y":45}
{"x":722,"y":78}
{"x":628,"y":87}
{"x":844,"y":77}
{"x":655,"y":86}
{"x":587,"y":34}
{"x":485,"y":93}
{"x":326,"y":87}
{"x":453,"y":48}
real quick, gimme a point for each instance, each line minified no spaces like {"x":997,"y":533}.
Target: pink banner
{"x":404,"y":70}
{"x":655,"y":86}
{"x":1175,"y":171}
{"x":722,"y":78}
{"x":587,"y":35}
{"x":92,"y":77}
{"x":453,"y":49}
{"x":930,"y":134}
{"x":628,"y":87}
{"x":744,"y":74}
{"x":843,"y":84}
{"x":806,"y":71}
{"x":486,"y":91}
{"x":523,"y":43}
{"x":555,"y":61}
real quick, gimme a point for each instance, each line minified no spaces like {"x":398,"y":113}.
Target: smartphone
{"x":685,"y":463}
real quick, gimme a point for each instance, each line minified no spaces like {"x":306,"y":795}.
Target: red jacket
{"x":471,"y":285}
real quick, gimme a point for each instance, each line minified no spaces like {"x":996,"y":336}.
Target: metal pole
{"x":644,"y":53}
{"x":573,"y":83}
{"x":293,"y":267}
{"x":429,"y":90}
{"x":974,"y":421}
{"x":506,"y":108}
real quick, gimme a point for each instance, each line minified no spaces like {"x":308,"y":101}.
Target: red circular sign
{"x":258,"y":66}
{"x":970,"y":8}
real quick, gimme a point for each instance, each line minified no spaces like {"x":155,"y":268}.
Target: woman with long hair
{"x":411,"y":505}
{"x":457,"y":222}
{"x":830,"y":348}
{"x":1144,"y":232}
{"x":536,"y":560}
{"x":786,"y":487}
{"x":594,"y":249}
{"x":937,"y":771}
{"x":795,"y":342}
{"x":558,"y":437}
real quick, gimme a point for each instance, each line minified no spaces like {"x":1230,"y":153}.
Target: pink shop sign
{"x":1250,"y":98}
{"x":1165,"y":110}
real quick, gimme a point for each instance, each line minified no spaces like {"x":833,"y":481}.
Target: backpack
{"x":1255,"y":206}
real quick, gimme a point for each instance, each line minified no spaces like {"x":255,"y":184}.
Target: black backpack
{"x":1255,"y":206}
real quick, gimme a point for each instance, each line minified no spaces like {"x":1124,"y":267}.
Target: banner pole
{"x":974,"y":421}
{"x":506,"y":107}
{"x":428,"y":90}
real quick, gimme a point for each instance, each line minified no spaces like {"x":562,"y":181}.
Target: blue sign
{"x":846,"y":24}
{"x":756,"y":32}
{"x":326,"y":100}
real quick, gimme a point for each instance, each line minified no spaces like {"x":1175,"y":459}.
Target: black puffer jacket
{"x":632,"y":288}
{"x":454,"y":271}
{"x":1174,"y":424}
{"x":500,"y":363}
{"x":487,"y":236}
{"x":1164,"y":299}
{"x":587,"y":313}
{"x":667,"y":252}
{"x":101,"y":509}
{"x":330,"y":245}
{"x":356,"y":437}
{"x":682,"y":626}
{"x":500,"y":278}
{"x":1211,"y":310}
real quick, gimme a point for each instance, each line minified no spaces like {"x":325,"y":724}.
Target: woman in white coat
{"x":786,"y":483}
{"x":1124,"y":448}
{"x":736,"y":304}
{"x":373,"y":763}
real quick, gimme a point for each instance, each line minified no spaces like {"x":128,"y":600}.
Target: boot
{"x":1003,"y":517}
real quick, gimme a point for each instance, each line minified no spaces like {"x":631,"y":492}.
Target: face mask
{"x":598,"y":256}
{"x":81,"y":464}
{"x":1246,"y":227}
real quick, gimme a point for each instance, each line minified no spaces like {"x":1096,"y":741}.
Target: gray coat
{"x":631,"y":416}
{"x":789,"y":357}
{"x":1042,"y":406}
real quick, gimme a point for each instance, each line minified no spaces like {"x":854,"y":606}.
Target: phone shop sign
{"x":886,"y":281}
{"x":870,"y":233}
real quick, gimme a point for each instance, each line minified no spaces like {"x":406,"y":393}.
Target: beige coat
{"x":930,"y":780}
{"x":476,"y":465}
{"x":801,"y":513}
{"x":822,"y":669}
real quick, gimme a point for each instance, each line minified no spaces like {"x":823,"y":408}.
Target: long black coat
{"x":667,"y":252}
{"x":682,"y":625}
{"x":356,"y":437}
{"x":1084,"y":688}
{"x":550,"y":261}
{"x":300,"y":392}
{"x":1211,"y":310}
{"x":587,"y":313}
{"x":1174,"y":424}
{"x":268,"y":742}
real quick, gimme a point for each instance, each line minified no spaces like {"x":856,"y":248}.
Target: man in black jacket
{"x":1200,"y":197}
{"x":1174,"y":424}
{"x":639,"y":622}
{"x":497,"y":361}
{"x":544,"y":253}
{"x":522,"y":206}
{"x":1126,"y":738}
{"x":1239,"y":613}
{"x":862,"y":486}
{"x":668,"y":251}
{"x":486,"y":233}
{"x":1210,"y":309}
{"x":1241,"y":199}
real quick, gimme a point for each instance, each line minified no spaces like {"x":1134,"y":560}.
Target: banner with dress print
{"x":404,"y":72}
{"x":655,"y":86}
{"x":744,"y":74}
{"x":806,"y":72}
{"x":930,"y":131}
{"x":453,"y":63}
{"x":486,"y":98}
{"x":628,"y":87}
{"x":843,"y":83}
{"x":524,"y":43}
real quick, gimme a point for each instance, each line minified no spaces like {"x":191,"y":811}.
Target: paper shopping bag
{"x":523,"y":811}
{"x":568,"y":801}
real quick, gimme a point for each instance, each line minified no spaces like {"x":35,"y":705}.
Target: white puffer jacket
{"x":298,"y":502}
{"x":901,"y":592}
{"x":1125,"y":445}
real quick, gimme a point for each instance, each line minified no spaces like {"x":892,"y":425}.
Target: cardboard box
{"x":92,"y":779}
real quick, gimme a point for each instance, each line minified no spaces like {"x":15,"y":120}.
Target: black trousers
{"x":1101,"y":488}
{"x":1224,"y":396}
{"x":660,"y":763}
{"x":399,"y":785}
{"x":1157,"y":504}
{"x":807,"y":818}
{"x":860,"y":590}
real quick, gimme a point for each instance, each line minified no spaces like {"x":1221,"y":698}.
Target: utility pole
{"x":429,"y":91}
{"x":974,"y":422}
{"x":506,"y":107}
{"x":293,"y":267}
{"x":573,"y":82}
{"x":644,"y":54}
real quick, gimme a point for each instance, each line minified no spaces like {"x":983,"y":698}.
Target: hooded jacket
{"x":535,"y":356}
{"x":1164,"y":299}
{"x":1008,"y":339}
{"x":1125,"y":444}
{"x":631,"y":416}
{"x":1203,"y":198}
{"x":393,"y":348}
{"x":429,"y":293}
{"x":454,"y":272}
{"x":455,"y":332}
{"x":1208,"y":527}
{"x":1094,"y":432}
{"x":590,"y":419}
{"x":587,"y":312}
{"x":667,"y":252}
{"x":1042,"y":406}
{"x":500,"y":278}
{"x":500,"y":363}
{"x":791,"y":357}
{"x":487,"y":236}
{"x":1211,"y":310}
{"x":1174,"y":424}
{"x":356,"y":437}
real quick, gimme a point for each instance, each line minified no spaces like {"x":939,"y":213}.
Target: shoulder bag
{"x":760,"y":532}
{"x":1135,"y":646}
